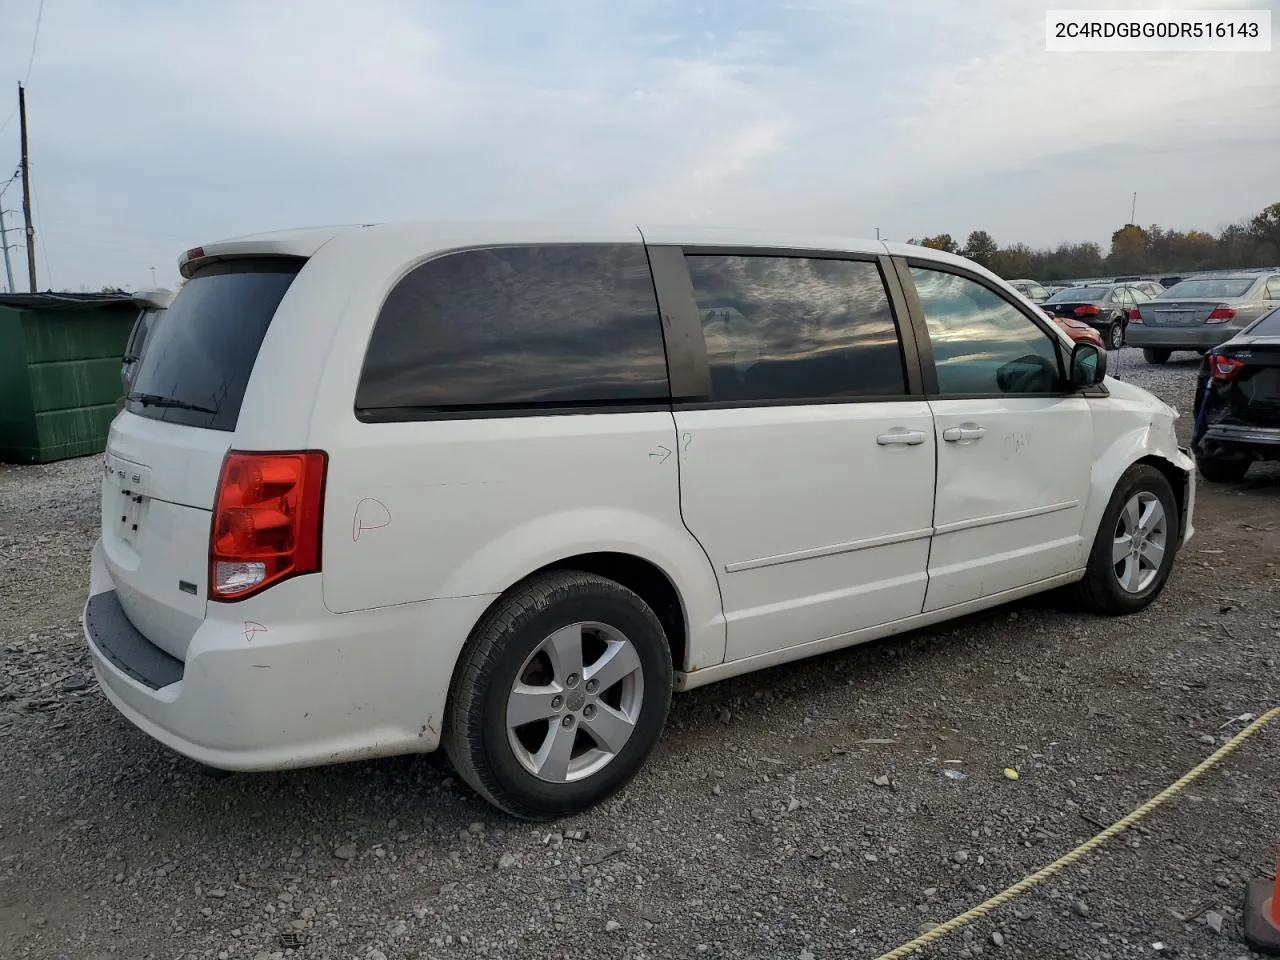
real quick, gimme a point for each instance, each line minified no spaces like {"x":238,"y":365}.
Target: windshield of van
{"x":202,"y":349}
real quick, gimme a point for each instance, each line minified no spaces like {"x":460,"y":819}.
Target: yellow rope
{"x":1025,"y":884}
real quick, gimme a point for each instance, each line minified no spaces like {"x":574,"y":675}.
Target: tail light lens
{"x":1224,"y":367}
{"x":1087,"y":310}
{"x":1135,"y":315}
{"x":266,"y":521}
{"x":1221,"y":314}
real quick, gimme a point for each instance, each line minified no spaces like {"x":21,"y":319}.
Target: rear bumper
{"x":277,"y":682}
{"x":1238,"y":433}
{"x":1239,"y":441}
{"x":1157,"y":337}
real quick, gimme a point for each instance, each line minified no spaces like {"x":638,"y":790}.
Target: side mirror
{"x":1088,"y":365}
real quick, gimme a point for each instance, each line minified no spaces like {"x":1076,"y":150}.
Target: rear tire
{"x":1222,"y":469}
{"x":592,"y":725}
{"x":1115,"y":335}
{"x":1155,"y":355}
{"x":1135,"y":545}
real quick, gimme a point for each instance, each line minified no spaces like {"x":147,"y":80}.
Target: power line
{"x":30,"y":60}
{"x":36,"y":36}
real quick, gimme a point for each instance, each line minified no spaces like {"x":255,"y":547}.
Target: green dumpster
{"x":60,"y":356}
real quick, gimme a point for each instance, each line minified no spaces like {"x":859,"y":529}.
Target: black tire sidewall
{"x":1116,"y":328}
{"x":1222,"y":469}
{"x":1101,"y":573}
{"x":619,"y":608}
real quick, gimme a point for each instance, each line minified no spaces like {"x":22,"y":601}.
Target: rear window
{"x":1209,"y":287}
{"x":1080,"y":294}
{"x":201,"y":350}
{"x":138,"y":337}
{"x":506,"y":328}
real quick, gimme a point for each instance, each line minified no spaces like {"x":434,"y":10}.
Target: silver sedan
{"x":1201,"y":312}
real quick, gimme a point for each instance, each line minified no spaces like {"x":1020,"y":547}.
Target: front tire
{"x":1156,"y":355}
{"x":1115,"y":335}
{"x":1222,"y":469}
{"x":559,"y":696}
{"x":1135,"y":545}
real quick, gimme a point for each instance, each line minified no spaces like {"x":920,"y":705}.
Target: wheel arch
{"x":1180,"y":479}
{"x":1134,"y":447}
{"x":644,"y":577}
{"x":655,"y":559}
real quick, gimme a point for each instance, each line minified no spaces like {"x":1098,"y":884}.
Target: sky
{"x":156,"y":126}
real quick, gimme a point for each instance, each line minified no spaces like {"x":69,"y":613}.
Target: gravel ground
{"x":803,"y":812}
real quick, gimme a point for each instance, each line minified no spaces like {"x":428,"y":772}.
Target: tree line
{"x":1254,"y":242}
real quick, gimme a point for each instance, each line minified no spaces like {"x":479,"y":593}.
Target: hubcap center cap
{"x":575,"y":700}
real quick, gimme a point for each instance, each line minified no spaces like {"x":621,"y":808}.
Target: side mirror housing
{"x":1088,"y":365}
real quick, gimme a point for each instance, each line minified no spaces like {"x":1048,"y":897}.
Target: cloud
{"x":157,"y":126}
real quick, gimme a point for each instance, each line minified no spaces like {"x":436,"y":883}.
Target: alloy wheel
{"x":1141,"y":539}
{"x":575,"y":702}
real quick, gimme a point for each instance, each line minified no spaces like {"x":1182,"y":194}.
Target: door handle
{"x":902,"y":437}
{"x":968,"y":431}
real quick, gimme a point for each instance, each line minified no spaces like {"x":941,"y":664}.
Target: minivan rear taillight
{"x":266,"y":521}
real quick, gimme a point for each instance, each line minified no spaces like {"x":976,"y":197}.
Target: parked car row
{"x":1105,"y":308}
{"x":1192,"y":313}
{"x":1038,"y":292}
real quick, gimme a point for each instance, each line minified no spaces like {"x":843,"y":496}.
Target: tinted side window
{"x":556,"y":325}
{"x":1273,"y":289}
{"x":794,"y":328}
{"x":981,"y":343}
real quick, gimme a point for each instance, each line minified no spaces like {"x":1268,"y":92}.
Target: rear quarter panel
{"x":459,"y":507}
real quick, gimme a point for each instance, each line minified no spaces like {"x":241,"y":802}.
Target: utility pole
{"x":1133,"y":210}
{"x":4,"y":243}
{"x":26,"y":190}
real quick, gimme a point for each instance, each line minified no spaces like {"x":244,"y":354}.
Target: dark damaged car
{"x":1237,"y":405}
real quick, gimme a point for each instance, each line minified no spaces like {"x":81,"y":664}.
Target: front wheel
{"x":1155,"y":355}
{"x":1222,"y":469}
{"x":1115,"y":335}
{"x":1135,"y":545}
{"x":559,"y":696}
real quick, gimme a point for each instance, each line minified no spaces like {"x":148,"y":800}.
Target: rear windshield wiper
{"x":158,"y":400}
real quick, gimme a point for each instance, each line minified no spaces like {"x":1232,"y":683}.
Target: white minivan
{"x":385,"y":488}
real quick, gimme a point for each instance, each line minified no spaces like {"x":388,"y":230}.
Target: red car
{"x":1078,"y":330}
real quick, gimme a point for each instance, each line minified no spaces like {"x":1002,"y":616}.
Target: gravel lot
{"x":798,"y":813}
